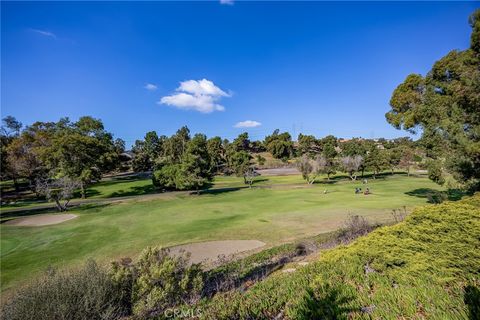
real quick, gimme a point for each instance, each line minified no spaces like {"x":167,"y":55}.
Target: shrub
{"x":86,"y":293}
{"x":166,"y":177}
{"x":158,"y":281}
{"x":355,"y":226}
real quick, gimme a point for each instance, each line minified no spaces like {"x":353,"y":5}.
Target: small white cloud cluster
{"x":45,"y":33}
{"x":199,"y":95}
{"x":248,"y":124}
{"x":150,"y":87}
{"x":227,"y":2}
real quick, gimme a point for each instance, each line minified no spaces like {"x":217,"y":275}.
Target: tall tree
{"x":216,"y":152}
{"x":351,"y":165}
{"x":445,"y":106}
{"x":81,"y":150}
{"x":280,"y":145}
{"x":308,"y":144}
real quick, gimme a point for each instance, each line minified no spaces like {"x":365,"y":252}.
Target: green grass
{"x":137,"y":186}
{"x":426,"y":267}
{"x":274,"y":215}
{"x":108,"y":188}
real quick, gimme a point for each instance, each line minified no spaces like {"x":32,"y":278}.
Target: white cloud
{"x":150,"y":87}
{"x":45,"y":33}
{"x":248,"y":124}
{"x":201,"y":87}
{"x":199,"y":95}
{"x":227,"y":2}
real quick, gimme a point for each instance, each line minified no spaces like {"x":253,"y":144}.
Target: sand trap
{"x":40,"y":220}
{"x":210,"y":250}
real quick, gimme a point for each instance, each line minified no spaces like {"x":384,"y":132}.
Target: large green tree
{"x":81,"y":150}
{"x":192,"y":170}
{"x":444,"y":106}
{"x":280,"y":145}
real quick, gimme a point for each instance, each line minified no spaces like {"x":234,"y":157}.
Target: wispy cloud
{"x":45,"y":33}
{"x":247,"y":124}
{"x":199,"y":95}
{"x":227,"y":2}
{"x":150,"y":87}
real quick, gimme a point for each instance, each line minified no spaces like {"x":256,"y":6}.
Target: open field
{"x":282,"y":210}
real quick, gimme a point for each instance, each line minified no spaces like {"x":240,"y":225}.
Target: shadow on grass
{"x":436,"y":196}
{"x":89,"y":193}
{"x":260,"y":180}
{"x":331,"y":305}
{"x":219,"y":190}
{"x":93,"y":207}
{"x":472,"y":300}
{"x":134,"y":191}
{"x":25,"y":213}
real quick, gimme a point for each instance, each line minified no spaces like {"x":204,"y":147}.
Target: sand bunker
{"x":40,"y":220}
{"x":210,"y":250}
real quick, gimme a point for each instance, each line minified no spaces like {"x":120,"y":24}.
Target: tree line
{"x":182,"y":162}
{"x":57,"y":158}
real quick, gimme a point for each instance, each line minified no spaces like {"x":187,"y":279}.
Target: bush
{"x":86,"y":293}
{"x":166,"y":177}
{"x":355,"y":226}
{"x":158,"y":281}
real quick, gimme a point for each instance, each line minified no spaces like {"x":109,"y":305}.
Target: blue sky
{"x":316,"y":67}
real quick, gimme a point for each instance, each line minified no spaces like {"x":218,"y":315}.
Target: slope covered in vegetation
{"x":425,"y":267}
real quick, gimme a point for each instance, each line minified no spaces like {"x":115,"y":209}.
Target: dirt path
{"x":210,"y":250}
{"x":41,"y":220}
{"x":278,"y":171}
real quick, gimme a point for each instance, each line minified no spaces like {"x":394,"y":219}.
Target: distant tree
{"x":308,"y":144}
{"x":25,"y":153}
{"x":394,"y":156}
{"x":195,"y":167}
{"x":148,"y":151}
{"x":260,"y":160}
{"x":311,"y":168}
{"x":435,"y":172}
{"x":216,"y":153}
{"x":175,"y":146}
{"x":280,"y":145}
{"x":10,"y":127}
{"x":325,"y":165}
{"x":193,"y":170}
{"x":240,"y":163}
{"x":307,"y":169}
{"x":354,"y":147}
{"x":407,"y":158}
{"x":9,"y":130}
{"x":376,"y":160}
{"x":82,"y":150}
{"x":241,"y":143}
{"x":329,"y":145}
{"x":249,"y":175}
{"x":257,"y":146}
{"x":141,"y":160}
{"x":351,"y":164}
{"x":166,"y":175}
{"x":119,"y":145}
{"x":59,"y":190}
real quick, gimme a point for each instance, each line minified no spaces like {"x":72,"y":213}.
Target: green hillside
{"x":425,"y":267}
